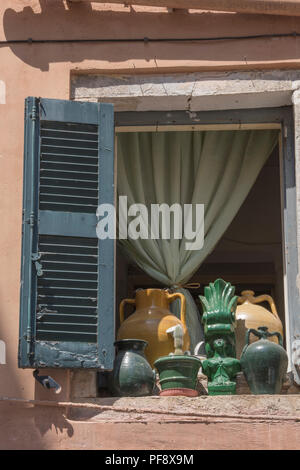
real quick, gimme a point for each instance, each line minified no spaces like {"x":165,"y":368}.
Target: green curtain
{"x":214,"y":168}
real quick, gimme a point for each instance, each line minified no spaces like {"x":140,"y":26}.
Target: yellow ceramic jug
{"x":256,"y":315}
{"x":151,"y":320}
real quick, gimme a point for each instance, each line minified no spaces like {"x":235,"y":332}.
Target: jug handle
{"x":122,"y":307}
{"x":259,"y":335}
{"x":254,"y":332}
{"x":197,"y":348}
{"x":258,"y":300}
{"x":178,"y":295}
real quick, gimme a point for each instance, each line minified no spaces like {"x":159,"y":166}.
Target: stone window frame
{"x":223,"y":100}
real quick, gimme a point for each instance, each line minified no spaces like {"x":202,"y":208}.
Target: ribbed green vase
{"x":178,"y":371}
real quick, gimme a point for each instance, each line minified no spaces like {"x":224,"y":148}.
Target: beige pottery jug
{"x":251,"y":315}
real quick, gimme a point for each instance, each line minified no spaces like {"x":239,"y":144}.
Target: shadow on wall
{"x":22,"y":427}
{"x":48,"y":418}
{"x":80,"y":21}
{"x":33,"y":428}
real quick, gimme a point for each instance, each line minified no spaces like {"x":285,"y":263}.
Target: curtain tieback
{"x":191,"y":285}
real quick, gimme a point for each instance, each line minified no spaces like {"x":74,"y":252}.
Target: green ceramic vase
{"x":264,"y":363}
{"x":178,"y":371}
{"x":132,"y":375}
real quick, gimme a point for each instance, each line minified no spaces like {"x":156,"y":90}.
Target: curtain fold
{"x":214,"y":168}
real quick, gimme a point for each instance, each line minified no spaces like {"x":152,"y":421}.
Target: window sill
{"x":204,"y":408}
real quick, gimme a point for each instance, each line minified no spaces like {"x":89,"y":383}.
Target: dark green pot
{"x":178,"y":371}
{"x":264,"y":363}
{"x":132,"y":375}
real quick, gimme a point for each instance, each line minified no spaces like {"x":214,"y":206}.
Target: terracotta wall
{"x":44,"y":70}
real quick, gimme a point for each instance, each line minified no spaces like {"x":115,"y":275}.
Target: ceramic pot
{"x":264,"y":362}
{"x":251,"y":315}
{"x":179,"y":392}
{"x":178,"y":372}
{"x":151,"y":320}
{"x":132,"y":375}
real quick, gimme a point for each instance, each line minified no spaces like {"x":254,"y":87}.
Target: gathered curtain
{"x":214,"y":168}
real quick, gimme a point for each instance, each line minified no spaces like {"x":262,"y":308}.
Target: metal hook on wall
{"x":47,"y":382}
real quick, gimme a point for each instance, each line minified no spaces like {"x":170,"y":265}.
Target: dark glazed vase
{"x":264,"y":363}
{"x":132,"y":375}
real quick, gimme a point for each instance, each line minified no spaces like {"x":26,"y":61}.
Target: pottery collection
{"x":154,"y":341}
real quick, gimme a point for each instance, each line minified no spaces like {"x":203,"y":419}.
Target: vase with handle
{"x":264,"y":362}
{"x":151,"y":320}
{"x":249,"y":314}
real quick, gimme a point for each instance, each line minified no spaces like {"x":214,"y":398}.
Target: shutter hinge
{"x":29,"y":340}
{"x":31,"y":220}
{"x":35,"y":109}
{"x":39,"y":268}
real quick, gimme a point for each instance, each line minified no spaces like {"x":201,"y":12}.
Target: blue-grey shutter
{"x":67,"y":273}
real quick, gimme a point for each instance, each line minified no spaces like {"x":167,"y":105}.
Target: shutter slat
{"x":69,"y":318}
{"x":70,"y":326}
{"x":67,"y":336}
{"x":88,"y":192}
{"x":68,"y":174}
{"x":68,"y":184}
{"x":67,"y":142}
{"x":66,"y":309}
{"x":67,"y":157}
{"x":68,"y":283}
{"x":69,"y":275}
{"x":69,"y":151}
{"x":57,"y":164}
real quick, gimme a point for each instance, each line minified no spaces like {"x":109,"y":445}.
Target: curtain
{"x":214,"y":168}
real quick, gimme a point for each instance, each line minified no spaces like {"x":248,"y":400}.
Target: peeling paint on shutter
{"x":67,"y":288}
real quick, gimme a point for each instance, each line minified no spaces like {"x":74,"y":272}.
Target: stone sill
{"x":229,"y":408}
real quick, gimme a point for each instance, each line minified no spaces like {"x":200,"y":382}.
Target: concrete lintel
{"x":194,"y":91}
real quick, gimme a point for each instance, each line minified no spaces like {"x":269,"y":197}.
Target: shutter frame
{"x":66,"y":354}
{"x":29,"y":236}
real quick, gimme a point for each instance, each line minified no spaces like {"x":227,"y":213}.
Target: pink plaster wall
{"x":41,"y":428}
{"x":44,"y":70}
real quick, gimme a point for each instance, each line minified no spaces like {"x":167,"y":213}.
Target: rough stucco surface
{"x":250,"y":405}
{"x":44,"y":428}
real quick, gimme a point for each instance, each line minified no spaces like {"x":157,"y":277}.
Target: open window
{"x":68,"y":304}
{"x":258,"y":249}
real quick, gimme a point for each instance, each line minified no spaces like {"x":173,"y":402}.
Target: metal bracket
{"x":47,"y":382}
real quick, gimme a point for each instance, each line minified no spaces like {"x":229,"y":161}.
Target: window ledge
{"x":261,"y":408}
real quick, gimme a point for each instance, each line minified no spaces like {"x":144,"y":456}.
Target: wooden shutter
{"x":67,"y":274}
